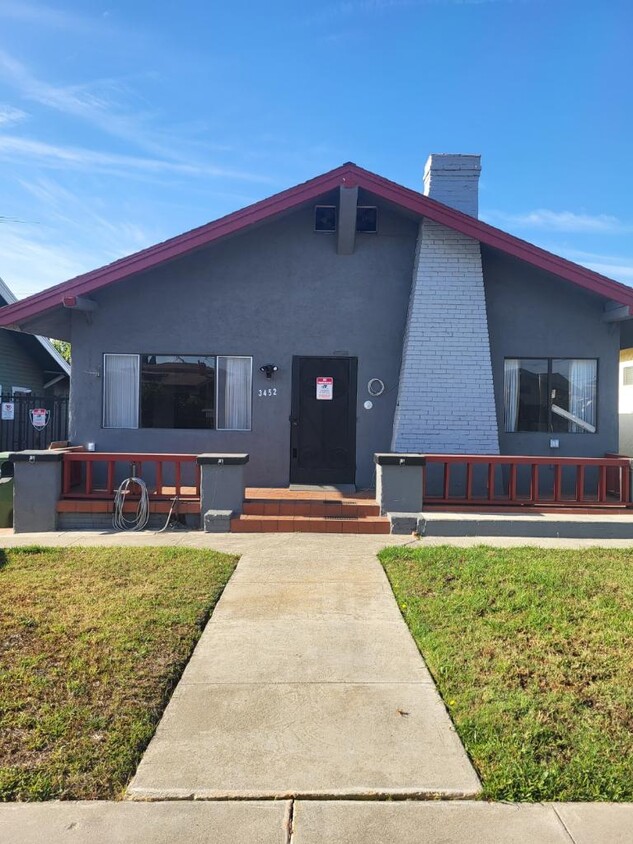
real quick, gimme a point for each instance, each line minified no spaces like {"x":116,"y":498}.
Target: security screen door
{"x":323,"y":420}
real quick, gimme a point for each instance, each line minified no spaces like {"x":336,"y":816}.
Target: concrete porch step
{"x":301,"y":507}
{"x":309,"y":524}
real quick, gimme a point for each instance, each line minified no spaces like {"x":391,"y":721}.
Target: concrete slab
{"x":276,"y":567}
{"x":267,"y":543}
{"x":97,"y":822}
{"x":311,"y":652}
{"x":316,"y":601}
{"x":407,"y":822}
{"x":527,"y":526}
{"x":597,"y":823}
{"x":305,"y":740}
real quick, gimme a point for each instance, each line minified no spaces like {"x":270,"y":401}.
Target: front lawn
{"x":532,"y":651}
{"x":92,"y":642}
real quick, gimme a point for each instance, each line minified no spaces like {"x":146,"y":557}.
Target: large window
{"x":556,"y":395}
{"x":177,"y":391}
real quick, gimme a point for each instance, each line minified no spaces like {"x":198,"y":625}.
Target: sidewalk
{"x":305,"y":683}
{"x":315,"y":822}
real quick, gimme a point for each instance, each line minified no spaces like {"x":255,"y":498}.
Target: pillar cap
{"x":394,"y":459}
{"x":36,"y":456}
{"x":222,"y":459}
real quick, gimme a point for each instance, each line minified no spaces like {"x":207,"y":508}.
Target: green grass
{"x":532,"y":651}
{"x":92,"y":642}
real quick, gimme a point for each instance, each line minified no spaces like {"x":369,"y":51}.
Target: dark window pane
{"x":177,"y":391}
{"x":533,"y":404}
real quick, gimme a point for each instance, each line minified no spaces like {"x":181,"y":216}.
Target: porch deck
{"x":490,"y":484}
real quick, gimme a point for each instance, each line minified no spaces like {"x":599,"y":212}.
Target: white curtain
{"x":120,"y":391}
{"x":234,"y":393}
{"x":582,"y":393}
{"x":511,"y":392}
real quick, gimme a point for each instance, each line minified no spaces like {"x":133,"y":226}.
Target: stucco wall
{"x":534,"y":314}
{"x":274,"y":292}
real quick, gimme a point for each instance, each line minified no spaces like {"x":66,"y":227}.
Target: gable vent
{"x":366,"y":218}
{"x":325,"y":218}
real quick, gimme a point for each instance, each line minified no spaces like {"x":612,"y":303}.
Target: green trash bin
{"x":6,"y":490}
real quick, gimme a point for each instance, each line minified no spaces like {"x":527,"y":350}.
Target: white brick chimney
{"x":446,"y":399}
{"x":453,"y":180}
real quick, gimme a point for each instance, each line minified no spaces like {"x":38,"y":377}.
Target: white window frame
{"x":217,"y":392}
{"x":21,"y":391}
{"x":103,"y":396}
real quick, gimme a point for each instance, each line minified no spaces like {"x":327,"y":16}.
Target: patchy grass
{"x":92,"y":642}
{"x":532,"y":651}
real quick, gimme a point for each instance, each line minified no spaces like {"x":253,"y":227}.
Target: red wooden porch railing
{"x":98,"y":474}
{"x":545,"y":481}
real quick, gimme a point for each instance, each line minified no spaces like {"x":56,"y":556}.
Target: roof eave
{"x":349,"y":175}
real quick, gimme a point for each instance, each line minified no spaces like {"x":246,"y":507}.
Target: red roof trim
{"x":348,"y":174}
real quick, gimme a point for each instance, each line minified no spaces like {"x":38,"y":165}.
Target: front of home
{"x":343,"y":317}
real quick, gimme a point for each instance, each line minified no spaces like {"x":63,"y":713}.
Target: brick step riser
{"x":311,"y":509}
{"x":270,"y":524}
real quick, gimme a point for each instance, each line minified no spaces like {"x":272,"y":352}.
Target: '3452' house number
{"x":267,"y":392}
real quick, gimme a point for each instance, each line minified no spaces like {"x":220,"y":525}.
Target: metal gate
{"x":19,"y":433}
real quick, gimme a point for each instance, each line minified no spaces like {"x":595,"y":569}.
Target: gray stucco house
{"x":345,"y":316}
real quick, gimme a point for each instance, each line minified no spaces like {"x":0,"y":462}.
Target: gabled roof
{"x":349,"y":175}
{"x":7,"y":296}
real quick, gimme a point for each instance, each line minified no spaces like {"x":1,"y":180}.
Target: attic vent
{"x":627,"y":376}
{"x":325,"y":218}
{"x":366,"y":218}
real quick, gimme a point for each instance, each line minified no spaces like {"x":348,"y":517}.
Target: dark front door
{"x":323,"y":421}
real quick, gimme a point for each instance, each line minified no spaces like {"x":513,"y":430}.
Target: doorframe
{"x":352,"y":408}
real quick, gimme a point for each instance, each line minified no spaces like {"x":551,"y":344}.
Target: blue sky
{"x":124,"y":122}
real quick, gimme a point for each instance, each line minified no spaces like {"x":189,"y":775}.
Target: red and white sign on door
{"x":325,"y":388}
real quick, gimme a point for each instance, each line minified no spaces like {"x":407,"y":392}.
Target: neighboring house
{"x":29,"y":364}
{"x":345,"y":316}
{"x":626,"y":402}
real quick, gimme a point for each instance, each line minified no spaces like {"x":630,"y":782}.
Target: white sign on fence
{"x":8,"y":411}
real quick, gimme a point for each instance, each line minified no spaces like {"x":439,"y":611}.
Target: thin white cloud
{"x":560,"y":221}
{"x":10,"y":114}
{"x":38,"y":14}
{"x":32,"y":261}
{"x":14,"y":147}
{"x":618,"y":267}
{"x":97,"y":103}
{"x":112,"y":107}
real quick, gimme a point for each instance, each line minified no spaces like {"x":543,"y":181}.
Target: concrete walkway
{"x":305,"y":682}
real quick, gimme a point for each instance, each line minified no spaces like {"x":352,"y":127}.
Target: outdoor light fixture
{"x":268,"y":369}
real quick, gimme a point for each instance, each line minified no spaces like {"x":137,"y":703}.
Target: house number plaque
{"x":267,"y":393}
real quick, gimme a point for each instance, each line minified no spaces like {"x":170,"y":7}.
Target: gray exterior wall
{"x":534,"y":314}
{"x":17,"y":367}
{"x":272,"y":292}
{"x":282,"y":290}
